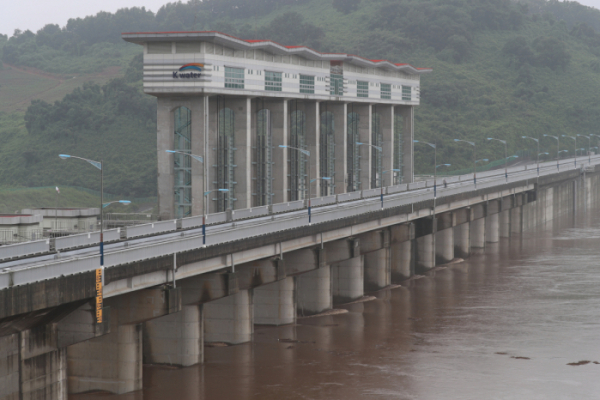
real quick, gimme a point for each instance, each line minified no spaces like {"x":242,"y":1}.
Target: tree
{"x":518,"y":52}
{"x":551,"y":52}
{"x":346,"y":6}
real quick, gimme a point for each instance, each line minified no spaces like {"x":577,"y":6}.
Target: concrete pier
{"x":444,"y":246}
{"x":478,"y":233}
{"x":347,"y":278}
{"x":275,"y":303}
{"x":504,"y":224}
{"x":230,"y":319}
{"x":425,"y":252}
{"x":377,"y":269}
{"x":314,"y":291}
{"x":462,"y":240}
{"x":492,"y":230}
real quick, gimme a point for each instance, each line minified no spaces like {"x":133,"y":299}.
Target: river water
{"x":503,"y":324}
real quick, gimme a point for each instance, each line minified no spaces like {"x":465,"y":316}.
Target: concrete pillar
{"x":111,"y":363}
{"x":275,"y":303}
{"x":478,"y":233}
{"x":516,"y":224}
{"x":407,"y":113}
{"x":462,"y":240}
{"x":364,"y":134}
{"x":504,"y":224}
{"x":492,"y":229}
{"x":402,"y":261}
{"x":280,"y":132}
{"x":175,"y":339}
{"x":340,"y":120}
{"x":314,"y":291}
{"x":425,"y":252}
{"x":348,"y":280}
{"x":230,"y":319}
{"x":387,"y":130}
{"x":313,"y":138}
{"x":165,"y":141}
{"x":243,"y":155}
{"x":377,"y":269}
{"x":444,"y":246}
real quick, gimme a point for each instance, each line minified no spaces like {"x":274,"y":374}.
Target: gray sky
{"x":34,"y":14}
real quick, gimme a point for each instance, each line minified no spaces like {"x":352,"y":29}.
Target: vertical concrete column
{"x":407,"y":113}
{"x":275,"y":303}
{"x":340,"y":121}
{"x":243,"y":155}
{"x":175,"y":338}
{"x":112,"y":362}
{"x":504,"y":223}
{"x":402,"y":260}
{"x":378,"y":269}
{"x":425,"y":252}
{"x":230,"y":319}
{"x":280,"y":132}
{"x":164,"y":141}
{"x":364,"y":133}
{"x":387,"y":130}
{"x":444,"y":246}
{"x":462,"y":240}
{"x":215,"y":104}
{"x":313,"y":141}
{"x":314,"y":291}
{"x":516,"y":223}
{"x":492,"y":229}
{"x":348,"y":280}
{"x":9,"y":367}
{"x":478,"y":233}
{"x":199,"y":131}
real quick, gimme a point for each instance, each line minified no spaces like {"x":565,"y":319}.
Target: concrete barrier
{"x":150,"y":229}
{"x":85,"y":239}
{"x":24,"y":249}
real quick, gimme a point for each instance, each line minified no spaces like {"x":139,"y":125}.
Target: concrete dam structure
{"x":163,"y":309}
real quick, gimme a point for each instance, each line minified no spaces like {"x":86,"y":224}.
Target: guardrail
{"x":231,"y":231}
{"x":24,"y":249}
{"x":84,"y":239}
{"x":150,"y":229}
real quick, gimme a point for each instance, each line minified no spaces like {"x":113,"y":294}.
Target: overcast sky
{"x":34,"y":14}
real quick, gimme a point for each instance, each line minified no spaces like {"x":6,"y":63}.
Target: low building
{"x":15,"y":228}
{"x":66,"y":221}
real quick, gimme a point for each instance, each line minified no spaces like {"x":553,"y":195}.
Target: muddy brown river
{"x":504,"y":324}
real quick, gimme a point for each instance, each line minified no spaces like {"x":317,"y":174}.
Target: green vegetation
{"x":501,"y":69}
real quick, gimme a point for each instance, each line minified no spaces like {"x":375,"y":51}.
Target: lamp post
{"x":382,"y":183}
{"x":575,"y":139}
{"x":589,"y":144}
{"x":538,"y":150}
{"x":127,"y":202}
{"x":505,"y":156}
{"x":204,"y":215}
{"x":557,"y":149}
{"x":307,"y":153}
{"x":474,"y":162}
{"x":97,"y":164}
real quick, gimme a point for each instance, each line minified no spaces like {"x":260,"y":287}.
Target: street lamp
{"x":505,"y":156}
{"x":589,"y":144}
{"x":434,"y":162}
{"x":474,"y":162}
{"x":307,"y":153}
{"x":97,"y":164}
{"x":557,"y":148}
{"x":538,"y":150}
{"x":204,"y":215}
{"x":195,"y":157}
{"x":575,"y":139}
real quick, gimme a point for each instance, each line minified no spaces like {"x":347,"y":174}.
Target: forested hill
{"x":501,"y":69}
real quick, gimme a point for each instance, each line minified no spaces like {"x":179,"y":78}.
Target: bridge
{"x":169,"y":287}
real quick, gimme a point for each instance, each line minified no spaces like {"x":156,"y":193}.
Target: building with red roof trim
{"x":273,"y":123}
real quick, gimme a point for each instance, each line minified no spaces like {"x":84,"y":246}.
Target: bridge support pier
{"x":314,"y":291}
{"x":478,"y":233}
{"x":377,"y":269}
{"x":402,"y":252}
{"x":462,"y":240}
{"x":444,"y":246}
{"x":504,"y":224}
{"x":275,"y":303}
{"x":176,"y":338}
{"x":348,"y":280}
{"x":229,"y":319}
{"x":492,"y":230}
{"x":516,"y":223}
{"x":425,"y":252}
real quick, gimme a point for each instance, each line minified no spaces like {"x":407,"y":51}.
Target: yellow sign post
{"x":99,"y":298}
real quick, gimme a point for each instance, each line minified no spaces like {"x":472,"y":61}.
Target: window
{"x":307,"y":84}
{"x":273,"y":81}
{"x":234,"y":78}
{"x":386,"y":91}
{"x":336,"y":83}
{"x":362,"y":89}
{"x":406,"y":93}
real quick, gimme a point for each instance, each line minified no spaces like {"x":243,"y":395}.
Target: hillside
{"x":501,"y":69}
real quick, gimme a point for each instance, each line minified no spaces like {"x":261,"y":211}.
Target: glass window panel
{"x":362,"y":89}
{"x":234,"y":78}
{"x":307,"y":84}
{"x":386,"y":91}
{"x":273,"y":81}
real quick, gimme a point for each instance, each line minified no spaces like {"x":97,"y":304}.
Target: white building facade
{"x":270,"y":120}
